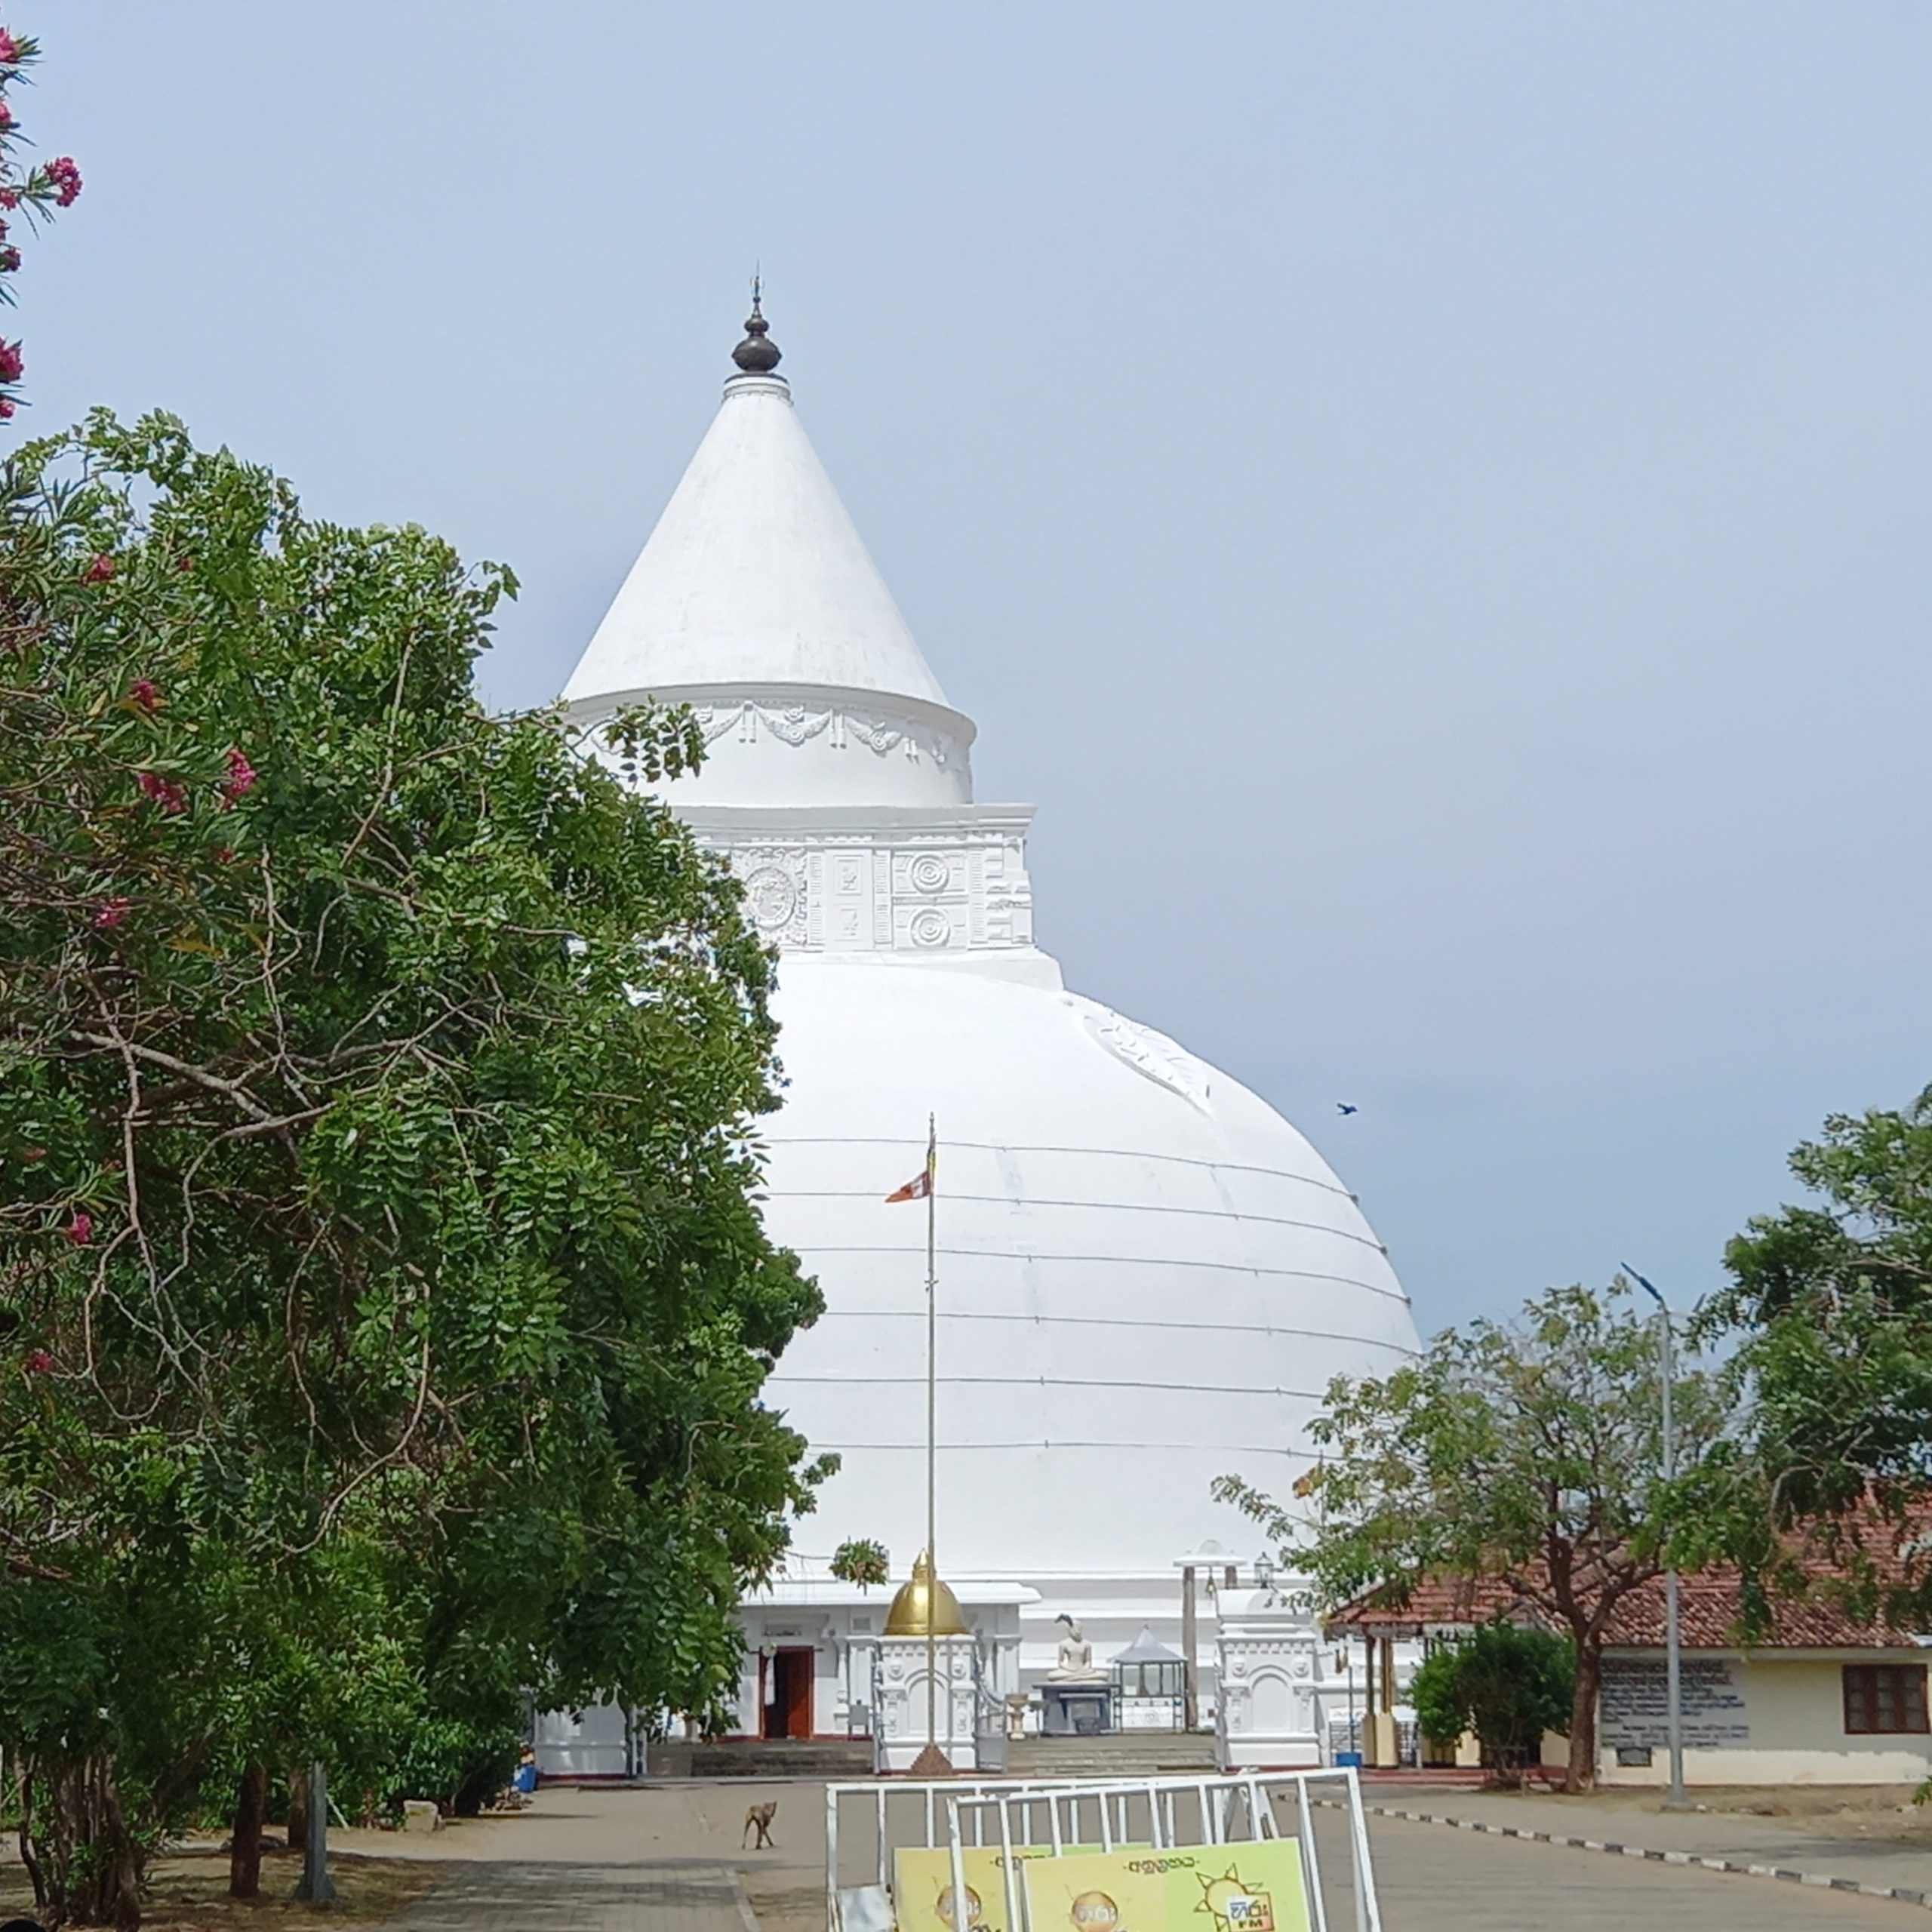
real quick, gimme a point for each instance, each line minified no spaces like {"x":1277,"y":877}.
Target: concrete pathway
{"x":646,"y":1860}
{"x":1855,"y":1848}
{"x":575,"y":1861}
{"x":497,"y":1896}
{"x":1434,"y":1880}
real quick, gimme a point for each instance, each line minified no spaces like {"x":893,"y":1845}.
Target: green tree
{"x":861,"y":1560}
{"x":1527,"y":1454}
{"x":1507,"y":1683}
{"x":1829,"y":1307}
{"x":385,"y":1306}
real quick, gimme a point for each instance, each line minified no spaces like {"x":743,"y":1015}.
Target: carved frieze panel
{"x":948,"y":889}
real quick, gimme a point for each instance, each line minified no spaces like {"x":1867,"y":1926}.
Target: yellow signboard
{"x":1249,"y":1888}
{"x":922,"y":1886}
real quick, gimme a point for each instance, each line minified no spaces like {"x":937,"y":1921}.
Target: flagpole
{"x":932,"y":1429}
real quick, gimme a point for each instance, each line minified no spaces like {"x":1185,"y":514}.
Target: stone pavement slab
{"x":495,"y":1896}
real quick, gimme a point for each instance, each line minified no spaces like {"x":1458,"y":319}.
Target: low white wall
{"x":592,"y":1742}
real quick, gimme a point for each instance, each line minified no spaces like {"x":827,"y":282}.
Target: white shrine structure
{"x":1146,"y":1276}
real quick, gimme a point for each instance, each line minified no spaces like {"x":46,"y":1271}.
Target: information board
{"x":1250,"y":1888}
{"x":922,"y":1886}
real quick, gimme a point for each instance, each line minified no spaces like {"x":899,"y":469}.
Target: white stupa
{"x":1147,"y":1277}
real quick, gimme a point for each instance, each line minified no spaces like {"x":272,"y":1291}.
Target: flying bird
{"x":1342,"y":1107}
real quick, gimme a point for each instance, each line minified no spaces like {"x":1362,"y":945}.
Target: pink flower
{"x":6,"y":115}
{"x":242,"y":776}
{"x":164,"y":792}
{"x":144,"y":693}
{"x":101,"y":570}
{"x":11,"y":362}
{"x":80,"y":1229}
{"x":10,"y":197}
{"x":6,"y":408}
{"x":39,"y":1362}
{"x":222,"y":854}
{"x":63,"y":176}
{"x":10,"y":50}
{"x":10,"y":259}
{"x":111,"y":913}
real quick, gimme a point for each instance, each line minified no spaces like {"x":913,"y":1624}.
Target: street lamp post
{"x":1673,"y":1654}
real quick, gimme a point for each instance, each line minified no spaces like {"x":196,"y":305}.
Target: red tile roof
{"x":1710,"y":1610}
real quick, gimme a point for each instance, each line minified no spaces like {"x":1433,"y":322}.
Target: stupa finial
{"x":756,"y":355}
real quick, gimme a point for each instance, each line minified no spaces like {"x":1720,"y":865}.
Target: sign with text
{"x":1636,"y":1705}
{"x":1252,"y":1888}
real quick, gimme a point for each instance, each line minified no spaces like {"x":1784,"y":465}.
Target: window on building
{"x":1885,"y":1698}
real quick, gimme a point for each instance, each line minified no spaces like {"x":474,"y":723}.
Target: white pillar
{"x":901,"y":1719}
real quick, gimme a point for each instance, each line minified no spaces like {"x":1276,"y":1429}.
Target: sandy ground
{"x":188,"y":1892}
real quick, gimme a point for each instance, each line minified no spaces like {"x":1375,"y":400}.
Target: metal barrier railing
{"x":1158,"y":1813}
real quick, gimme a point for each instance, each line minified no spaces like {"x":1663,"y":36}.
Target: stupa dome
{"x":1146,"y":1276}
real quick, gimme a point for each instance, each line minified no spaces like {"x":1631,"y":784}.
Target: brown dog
{"x":758,"y":1817}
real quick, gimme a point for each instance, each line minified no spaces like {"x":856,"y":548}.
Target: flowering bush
{"x":387,"y":1312}
{"x":35,"y":191}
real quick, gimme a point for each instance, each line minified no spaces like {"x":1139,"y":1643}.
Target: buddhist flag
{"x":923,"y":1182}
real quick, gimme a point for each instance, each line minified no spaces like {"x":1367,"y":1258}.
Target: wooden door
{"x":795,"y":1690}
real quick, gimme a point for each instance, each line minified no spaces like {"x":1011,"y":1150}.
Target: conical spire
{"x":755,"y":574}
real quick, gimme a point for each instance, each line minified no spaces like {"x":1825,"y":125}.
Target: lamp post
{"x":1673,"y":1665}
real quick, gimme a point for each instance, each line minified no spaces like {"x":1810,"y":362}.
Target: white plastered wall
{"x":1793,"y":1704}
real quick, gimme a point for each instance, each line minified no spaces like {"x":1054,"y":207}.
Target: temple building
{"x":1147,"y":1277}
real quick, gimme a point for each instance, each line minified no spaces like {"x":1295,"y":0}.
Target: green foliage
{"x":383,"y":1307}
{"x":1508,"y":1683}
{"x":1830,"y":1306}
{"x":1526,"y":1455}
{"x":861,"y":1561}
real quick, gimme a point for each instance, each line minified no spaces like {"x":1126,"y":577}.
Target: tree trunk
{"x":298,"y":1809}
{"x":245,"y":1853}
{"x":1582,"y":1774}
{"x":85,"y":1864}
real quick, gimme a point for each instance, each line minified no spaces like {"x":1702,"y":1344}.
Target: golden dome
{"x":907,"y":1616}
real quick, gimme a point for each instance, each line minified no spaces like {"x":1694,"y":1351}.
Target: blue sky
{"x":1430,"y":501}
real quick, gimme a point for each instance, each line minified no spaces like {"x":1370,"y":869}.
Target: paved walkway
{"x":575,"y":1861}
{"x":1850,"y":1845}
{"x":654,"y":1860}
{"x":495,"y":1896}
{"x":1431,"y":1879}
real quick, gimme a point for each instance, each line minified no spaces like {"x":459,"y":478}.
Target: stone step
{"x":827,"y":1757}
{"x":1123,"y":1754}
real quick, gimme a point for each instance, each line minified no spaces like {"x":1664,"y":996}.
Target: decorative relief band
{"x":879,"y":732}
